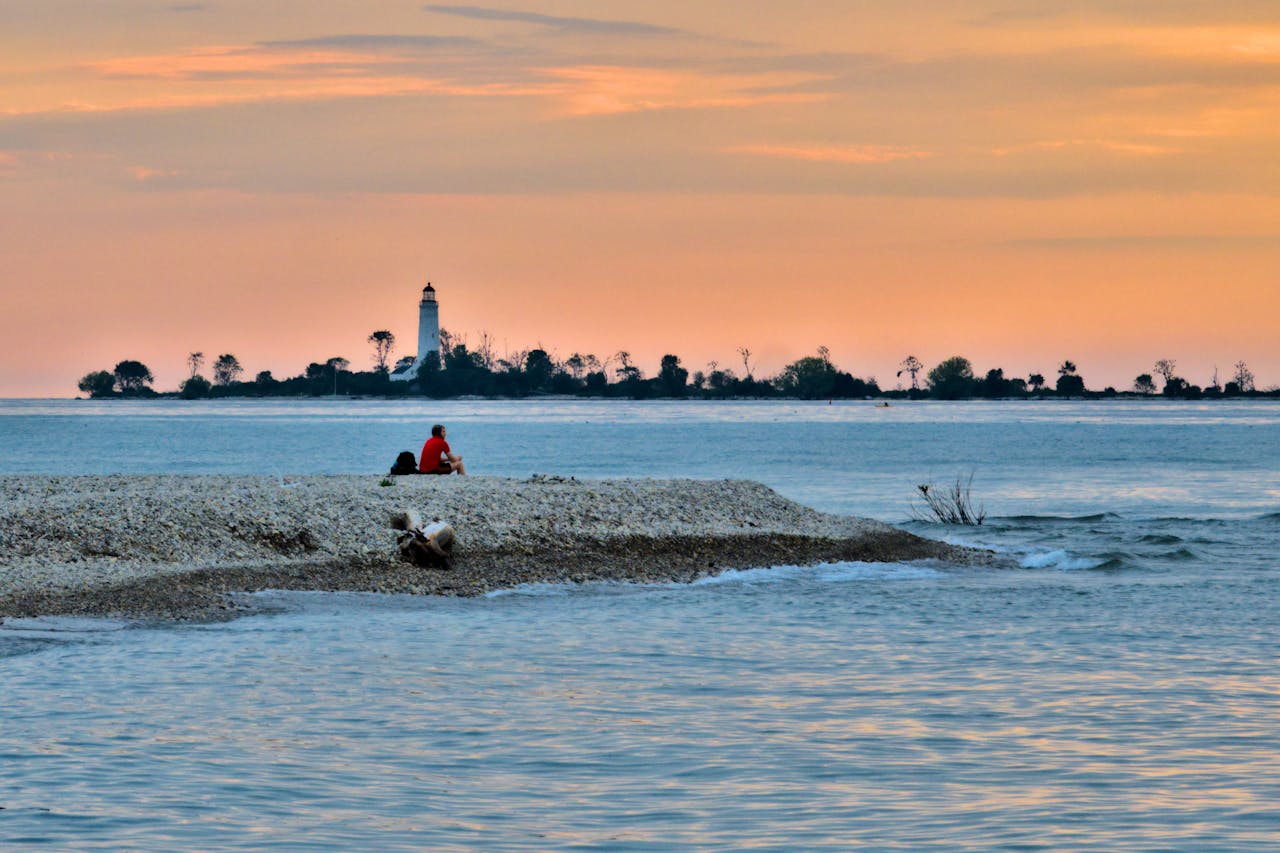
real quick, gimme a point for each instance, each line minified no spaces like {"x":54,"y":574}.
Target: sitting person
{"x":437,"y":458}
{"x":405,"y":464}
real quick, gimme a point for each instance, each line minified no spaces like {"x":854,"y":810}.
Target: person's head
{"x":437,"y":431}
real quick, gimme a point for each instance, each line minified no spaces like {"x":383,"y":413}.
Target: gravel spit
{"x":179,"y":547}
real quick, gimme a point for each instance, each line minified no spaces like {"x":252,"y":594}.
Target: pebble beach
{"x":182,"y":547}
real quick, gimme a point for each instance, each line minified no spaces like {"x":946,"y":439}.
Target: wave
{"x":1025,"y":519}
{"x":1128,"y":519}
{"x":59,"y":626}
{"x":842,"y":572}
{"x":1066,"y":561}
{"x":825,"y":572}
{"x":27,"y":635}
{"x":1160,"y":539}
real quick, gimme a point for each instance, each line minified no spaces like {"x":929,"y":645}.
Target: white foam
{"x":540,"y":589}
{"x":1059,"y":559}
{"x":825,"y":572}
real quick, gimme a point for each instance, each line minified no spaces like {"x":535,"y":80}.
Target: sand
{"x":180,"y":547}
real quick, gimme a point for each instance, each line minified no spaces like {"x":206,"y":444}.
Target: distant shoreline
{"x":1259,"y":396}
{"x":176,"y":547}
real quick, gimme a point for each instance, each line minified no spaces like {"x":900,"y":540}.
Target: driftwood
{"x":429,"y":546}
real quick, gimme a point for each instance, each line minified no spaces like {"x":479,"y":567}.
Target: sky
{"x":1017,"y":181}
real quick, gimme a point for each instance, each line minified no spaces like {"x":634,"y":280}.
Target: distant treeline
{"x":464,"y":372}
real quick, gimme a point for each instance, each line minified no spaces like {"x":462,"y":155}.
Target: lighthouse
{"x":428,"y":336}
{"x":428,"y":326}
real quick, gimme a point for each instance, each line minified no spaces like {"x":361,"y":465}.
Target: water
{"x":1117,"y":691}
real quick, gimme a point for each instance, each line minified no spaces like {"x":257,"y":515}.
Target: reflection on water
{"x":924,"y":708}
{"x":1117,"y":691}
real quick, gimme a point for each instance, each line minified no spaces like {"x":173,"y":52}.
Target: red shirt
{"x":431,"y":454}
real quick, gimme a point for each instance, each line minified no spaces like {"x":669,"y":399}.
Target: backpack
{"x":406,"y":463}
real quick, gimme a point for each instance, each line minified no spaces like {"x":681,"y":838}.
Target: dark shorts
{"x":444,"y":468}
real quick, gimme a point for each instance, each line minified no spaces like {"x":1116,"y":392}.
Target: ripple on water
{"x":817,"y":707}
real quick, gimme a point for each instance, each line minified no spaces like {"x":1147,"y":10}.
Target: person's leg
{"x":459,"y":468}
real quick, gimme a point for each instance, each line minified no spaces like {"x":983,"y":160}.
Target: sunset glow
{"x":1017,"y":182}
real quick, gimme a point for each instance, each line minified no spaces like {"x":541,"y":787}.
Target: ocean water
{"x":1118,"y":690}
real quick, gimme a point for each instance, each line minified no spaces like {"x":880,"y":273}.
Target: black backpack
{"x":406,"y":463}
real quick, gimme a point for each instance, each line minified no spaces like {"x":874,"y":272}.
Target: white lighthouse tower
{"x":428,"y":335}
{"x":428,"y":325}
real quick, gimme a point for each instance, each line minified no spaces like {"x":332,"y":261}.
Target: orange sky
{"x":1017,"y":182}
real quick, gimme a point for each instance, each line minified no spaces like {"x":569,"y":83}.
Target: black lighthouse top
{"x":428,"y":293}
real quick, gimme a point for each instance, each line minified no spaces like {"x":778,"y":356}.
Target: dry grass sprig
{"x":952,"y":505}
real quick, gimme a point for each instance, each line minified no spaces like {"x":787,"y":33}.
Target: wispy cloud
{"x":607,"y":90}
{"x":1148,"y":242}
{"x":587,"y":26}
{"x":1176,"y":13}
{"x":374,"y":43}
{"x":1142,"y":149}
{"x":857,"y":154}
{"x":246,"y":62}
{"x":142,"y":173}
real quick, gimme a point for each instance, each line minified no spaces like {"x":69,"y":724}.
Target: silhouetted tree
{"x":952,"y":379}
{"x":815,"y":377}
{"x":132,"y":377}
{"x":195,"y":361}
{"x":459,"y":358}
{"x":335,"y":366}
{"x":1069,"y":383}
{"x":720,"y":383}
{"x":194,"y":387}
{"x":994,"y":385}
{"x":484,"y":352}
{"x":383,"y":343}
{"x":1036,"y":381}
{"x":100,"y":383}
{"x":538,"y":369}
{"x":1243,"y":377}
{"x":226,"y":369}
{"x":1143,"y":384}
{"x":911,"y":365}
{"x":747,"y":370}
{"x":626,"y":371}
{"x":672,"y":377}
{"x":1165,"y":368}
{"x":597,"y":383}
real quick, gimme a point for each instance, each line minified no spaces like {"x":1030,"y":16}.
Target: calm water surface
{"x":1119,"y":691}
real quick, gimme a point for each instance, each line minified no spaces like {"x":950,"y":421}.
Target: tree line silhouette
{"x":461,"y":371}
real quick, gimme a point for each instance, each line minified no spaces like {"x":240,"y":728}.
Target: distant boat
{"x":882,"y":405}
